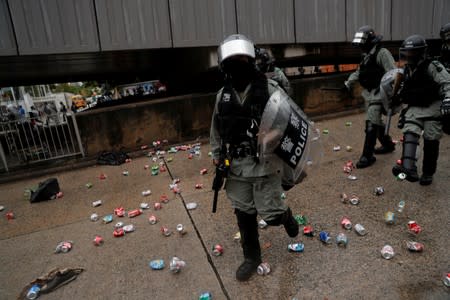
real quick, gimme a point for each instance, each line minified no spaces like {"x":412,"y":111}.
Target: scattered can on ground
{"x":180,"y":229}
{"x":262,"y":224}
{"x":447,"y":280}
{"x":152,"y":219}
{"x":414,"y":246}
{"x":325,"y":237}
{"x":125,"y":173}
{"x":352,"y":177}
{"x":301,"y":220}
{"x":118,"y":232}
{"x":283,"y":196}
{"x":203,"y":171}
{"x":98,"y":240}
{"x":348,"y":123}
{"x":344,"y":198}
{"x":165,"y":231}
{"x":263,"y":269}
{"x":387,"y":252}
{"x":119,"y":211}
{"x":2,"y":207}
{"x":354,"y":200}
{"x":128,"y":228}
{"x":146,"y":193}
{"x":64,"y":247}
{"x":118,"y":225}
{"x":59,"y":195}
{"x":102,"y":176}
{"x":348,"y":148}
{"x":360,"y":229}
{"x":10,"y":215}
{"x":144,"y":205}
{"x":146,"y":167}
{"x":199,"y":186}
{"x":107,"y":219}
{"x":401,"y":206}
{"x":94,"y":217}
{"x":325,"y":131}
{"x":414,"y":227}
{"x":308,"y":230}
{"x":97,"y":203}
{"x":89,"y":185}
{"x":337,"y":148}
{"x":191,"y":205}
{"x":401,"y":176}
{"x":389,"y":217}
{"x":237,"y":236}
{"x":157,"y":206}
{"x":164,"y":198}
{"x":157,"y":264}
{"x":134,"y":213}
{"x":205,"y":296}
{"x":296,"y":247}
{"x":341,"y":240}
{"x":176,"y":264}
{"x":33,"y":292}
{"x":217,"y":250}
{"x":378,"y":191}
{"x":346,"y":223}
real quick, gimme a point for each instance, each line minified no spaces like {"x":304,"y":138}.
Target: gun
{"x":221,"y":173}
{"x":397,"y":81}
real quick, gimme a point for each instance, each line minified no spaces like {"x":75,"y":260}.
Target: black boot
{"x":430,"y":157}
{"x":408,"y":167}
{"x":248,"y":227}
{"x":288,"y":221}
{"x":367,"y":159}
{"x":387,"y":146}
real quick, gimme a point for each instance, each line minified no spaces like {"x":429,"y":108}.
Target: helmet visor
{"x":360,"y":39}
{"x":412,"y":56}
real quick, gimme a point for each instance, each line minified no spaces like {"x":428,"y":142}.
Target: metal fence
{"x":36,"y":139}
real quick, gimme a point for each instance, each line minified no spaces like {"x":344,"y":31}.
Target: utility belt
{"x":243,"y":150}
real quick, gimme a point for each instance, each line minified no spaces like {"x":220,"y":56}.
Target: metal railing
{"x":36,"y":139}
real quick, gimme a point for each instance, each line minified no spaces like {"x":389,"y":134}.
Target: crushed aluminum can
{"x":10,"y":215}
{"x":191,"y":205}
{"x":152,"y":219}
{"x":118,"y":225}
{"x":401,"y":206}
{"x":157,"y":264}
{"x":59,"y":195}
{"x":128,"y":228}
{"x":119,"y":211}
{"x":447,"y":280}
{"x":64,"y":247}
{"x":414,"y":246}
{"x":414,"y":227}
{"x":96,"y":203}
{"x":162,"y":169}
{"x":325,"y":237}
{"x":325,"y":131}
{"x":237,"y":236}
{"x":146,"y":193}
{"x":301,"y":220}
{"x":125,"y":173}
{"x":354,"y":200}
{"x":128,"y":160}
{"x":360,"y":229}
{"x":348,"y":148}
{"x":205,"y":296}
{"x":217,"y":250}
{"x":102,"y":176}
{"x":296,"y":247}
{"x":157,"y":206}
{"x":341,"y":240}
{"x":180,"y":229}
{"x":2,"y":207}
{"x":107,"y":219}
{"x":98,"y":240}
{"x":199,"y":186}
{"x":262,"y":224}
{"x":308,"y":230}
{"x":352,"y":177}
{"x":176,"y":264}
{"x":378,"y":191}
{"x":337,"y":148}
{"x":190,"y":156}
{"x":263,"y":269}
{"x":118,"y":232}
{"x":94,"y":217}
{"x":134,"y":213}
{"x":401,"y":176}
{"x":348,"y":123}
{"x":387,"y":252}
{"x":346,"y":223}
{"x":389,"y":217}
{"x":344,"y":198}
{"x":146,"y":167}
{"x":348,"y":167}
{"x":144,"y":205}
{"x":169,"y":159}
{"x":164,"y":198}
{"x":89,"y":185}
{"x":203,"y":171}
{"x":165,"y":231}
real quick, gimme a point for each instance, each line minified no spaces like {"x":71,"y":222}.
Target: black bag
{"x":47,"y":190}
{"x":112,"y":158}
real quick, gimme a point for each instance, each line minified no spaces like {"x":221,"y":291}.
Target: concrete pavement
{"x":119,"y":268}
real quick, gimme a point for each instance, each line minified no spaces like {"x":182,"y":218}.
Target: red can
{"x":120,"y":211}
{"x":118,"y":232}
{"x":134,"y":213}
{"x":165,"y":231}
{"x":414,"y":246}
{"x":190,"y":156}
{"x":203,"y":171}
{"x":217,"y":250}
{"x":9,"y":215}
{"x":102,"y":176}
{"x":308,"y":230}
{"x":199,"y":186}
{"x":152,"y":219}
{"x":164,"y":198}
{"x":414,"y":227}
{"x":346,"y":223}
{"x":157,"y":206}
{"x":98,"y":240}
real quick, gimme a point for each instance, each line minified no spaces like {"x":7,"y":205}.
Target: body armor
{"x":370,"y":72}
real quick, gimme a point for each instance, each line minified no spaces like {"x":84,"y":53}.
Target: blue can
{"x":324,"y":237}
{"x":33,"y":292}
{"x":297,"y":247}
{"x":157,"y":264}
{"x":205,"y":296}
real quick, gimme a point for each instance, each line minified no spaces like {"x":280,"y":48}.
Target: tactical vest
{"x":235,"y":119}
{"x":419,"y":89}
{"x":370,"y":72}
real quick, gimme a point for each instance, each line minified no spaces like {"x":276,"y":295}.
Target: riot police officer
{"x":445,"y":49}
{"x":376,"y":61}
{"x":426,"y":91}
{"x":252,"y":186}
{"x":266,"y":64}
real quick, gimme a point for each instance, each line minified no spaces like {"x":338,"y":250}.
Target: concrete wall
{"x":186,"y":118}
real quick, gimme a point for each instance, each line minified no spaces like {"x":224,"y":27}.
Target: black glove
{"x":445,"y":107}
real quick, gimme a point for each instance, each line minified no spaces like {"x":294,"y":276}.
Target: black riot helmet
{"x":445,"y":33}
{"x":264,"y":60}
{"x":445,"y":49}
{"x":413,"y":50}
{"x":365,"y":38}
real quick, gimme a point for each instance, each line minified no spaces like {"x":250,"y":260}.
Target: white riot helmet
{"x":235,"y":44}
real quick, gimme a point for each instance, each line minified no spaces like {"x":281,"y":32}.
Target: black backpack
{"x":47,"y":190}
{"x":112,"y":158}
